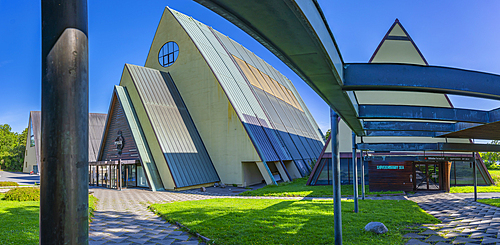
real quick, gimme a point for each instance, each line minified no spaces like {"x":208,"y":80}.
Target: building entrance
{"x":427,"y":176}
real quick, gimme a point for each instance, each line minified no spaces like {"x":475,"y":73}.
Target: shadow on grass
{"x":251,"y":221}
{"x":298,"y":188}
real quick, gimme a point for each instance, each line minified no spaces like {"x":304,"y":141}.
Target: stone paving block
{"x":490,"y":241}
{"x":96,"y":242}
{"x":454,"y":234}
{"x":413,"y":235}
{"x":139,"y":240}
{"x":480,"y":235}
{"x":182,"y":238}
{"x":429,"y":232}
{"x":135,"y":235}
{"x":464,"y":240}
{"x":117,"y":239}
{"x":435,"y":238}
{"x":186,"y":243}
{"x":157,"y":237}
{"x":415,"y":242}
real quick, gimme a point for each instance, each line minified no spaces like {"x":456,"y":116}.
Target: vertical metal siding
{"x":237,"y":89}
{"x":96,"y":128}
{"x":291,"y":124}
{"x":139,"y":139}
{"x":179,"y":140}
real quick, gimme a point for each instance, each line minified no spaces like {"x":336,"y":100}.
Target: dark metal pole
{"x":64,"y":144}
{"x":120,"y":174}
{"x":355,"y":173}
{"x":475,"y":175}
{"x":337,"y":213}
{"x":126,"y":176}
{"x":362,"y":175}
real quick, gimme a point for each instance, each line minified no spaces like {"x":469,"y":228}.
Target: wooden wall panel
{"x":390,"y":176}
{"x":119,"y":123}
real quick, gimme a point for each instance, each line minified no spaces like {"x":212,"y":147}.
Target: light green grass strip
{"x":298,"y":188}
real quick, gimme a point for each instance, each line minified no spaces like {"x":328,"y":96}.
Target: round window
{"x":168,"y":54}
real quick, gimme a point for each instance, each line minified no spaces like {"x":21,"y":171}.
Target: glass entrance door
{"x":427,"y":176}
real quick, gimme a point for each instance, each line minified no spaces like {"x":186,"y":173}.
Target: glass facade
{"x":462,"y":174}
{"x":326,"y":175}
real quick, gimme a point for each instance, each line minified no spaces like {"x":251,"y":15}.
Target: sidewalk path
{"x":463,"y":220}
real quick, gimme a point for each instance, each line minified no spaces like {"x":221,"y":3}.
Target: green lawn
{"x":495,"y":174}
{"x":492,"y":202}
{"x":274,"y":221}
{"x":298,"y":188}
{"x":19,"y":221}
{"x":470,"y":189}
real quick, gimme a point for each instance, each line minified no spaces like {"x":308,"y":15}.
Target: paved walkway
{"x":20,"y":178}
{"x":463,"y":220}
{"x":122,"y":217}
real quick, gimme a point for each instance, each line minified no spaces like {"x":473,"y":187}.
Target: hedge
{"x":8,"y":183}
{"x":23,"y":194}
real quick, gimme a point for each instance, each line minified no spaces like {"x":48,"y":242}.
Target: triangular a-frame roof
{"x":398,"y":47}
{"x":96,"y":128}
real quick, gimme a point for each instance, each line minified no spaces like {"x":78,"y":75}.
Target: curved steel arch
{"x":407,"y":77}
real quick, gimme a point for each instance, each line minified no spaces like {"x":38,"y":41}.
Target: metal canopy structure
{"x":297,"y":33}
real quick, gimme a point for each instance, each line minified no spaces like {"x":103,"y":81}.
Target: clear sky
{"x":454,"y":33}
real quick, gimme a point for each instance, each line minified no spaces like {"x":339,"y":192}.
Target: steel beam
{"x":475,"y":175}
{"x":64,"y":144}
{"x":362,"y":175}
{"x":337,"y":210}
{"x":404,"y":133}
{"x":408,"y":126}
{"x":355,"y":173}
{"x":422,"y":112}
{"x":407,"y":77}
{"x":459,"y":147}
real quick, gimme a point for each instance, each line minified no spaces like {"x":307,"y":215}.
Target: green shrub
{"x":92,"y":206}
{"x":8,"y":183}
{"x":23,"y":194}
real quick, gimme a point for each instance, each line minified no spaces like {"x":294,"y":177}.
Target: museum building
{"x":203,"y":110}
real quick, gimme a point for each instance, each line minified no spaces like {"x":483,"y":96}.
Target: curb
{"x":205,"y":239}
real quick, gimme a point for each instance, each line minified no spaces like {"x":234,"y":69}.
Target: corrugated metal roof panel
{"x":97,"y":123}
{"x":96,"y":128}
{"x":139,"y":139}
{"x":179,"y":140}
{"x":237,"y":89}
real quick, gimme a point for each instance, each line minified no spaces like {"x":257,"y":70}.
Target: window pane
{"x":168,"y":54}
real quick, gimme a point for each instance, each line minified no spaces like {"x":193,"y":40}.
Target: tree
{"x":327,"y":134}
{"x":12,"y":147}
{"x":491,"y":158}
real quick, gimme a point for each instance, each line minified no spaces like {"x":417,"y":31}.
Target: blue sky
{"x":452,"y":33}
